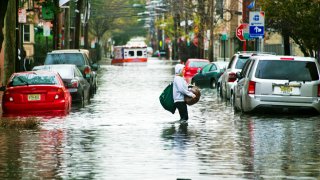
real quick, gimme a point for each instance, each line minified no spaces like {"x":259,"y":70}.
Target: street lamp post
{"x":78,"y":24}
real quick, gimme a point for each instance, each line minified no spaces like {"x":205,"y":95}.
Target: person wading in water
{"x":180,"y":89}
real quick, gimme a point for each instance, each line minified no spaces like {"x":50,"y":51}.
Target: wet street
{"x":124,"y":133}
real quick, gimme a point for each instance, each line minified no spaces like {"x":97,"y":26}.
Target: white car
{"x":229,"y":76}
{"x":227,"y":79}
{"x":278,"y":83}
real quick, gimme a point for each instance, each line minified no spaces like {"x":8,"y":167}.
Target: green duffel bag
{"x":166,"y":99}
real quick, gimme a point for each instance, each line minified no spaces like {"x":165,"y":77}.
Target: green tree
{"x":296,"y":19}
{"x":3,"y":10}
{"x":120,"y":16}
{"x":10,"y":41}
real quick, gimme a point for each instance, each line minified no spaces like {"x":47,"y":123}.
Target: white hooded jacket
{"x":180,"y":86}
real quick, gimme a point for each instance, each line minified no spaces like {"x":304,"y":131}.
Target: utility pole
{"x":19,"y":38}
{"x":57,"y":27}
{"x":244,"y":20}
{"x":67,"y":27}
{"x":212,"y":8}
{"x":200,"y":35}
{"x":176,"y":15}
{"x":78,"y":24}
{"x":86,"y":24}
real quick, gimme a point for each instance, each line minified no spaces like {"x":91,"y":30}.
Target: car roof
{"x":250,"y":53}
{"x":42,"y":72}
{"x":82,"y":51}
{"x":280,"y":57}
{"x":195,"y":59}
{"x":56,"y":65}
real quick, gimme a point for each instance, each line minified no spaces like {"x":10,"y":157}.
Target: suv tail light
{"x":252,"y":87}
{"x":318,"y":90}
{"x":87,"y":70}
{"x":232,"y":77}
{"x":74,"y":83}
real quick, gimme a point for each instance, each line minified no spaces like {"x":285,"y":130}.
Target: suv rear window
{"x":241,"y":61}
{"x":65,"y":58}
{"x":287,"y":70}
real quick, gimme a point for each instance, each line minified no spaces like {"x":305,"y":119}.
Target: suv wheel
{"x":95,"y":87}
{"x":220,"y":90}
{"x":241,"y":106}
{"x":91,"y":92}
{"x":234,"y":104}
{"x":82,"y":102}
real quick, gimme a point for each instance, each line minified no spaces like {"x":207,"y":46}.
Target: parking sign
{"x":256,"y":24}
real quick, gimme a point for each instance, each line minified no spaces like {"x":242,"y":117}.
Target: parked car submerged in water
{"x":208,"y":76}
{"x":278,"y":82}
{"x":73,"y":79}
{"x":192,"y":66}
{"x":35,"y":92}
{"x":80,"y":59}
{"x":227,"y":79}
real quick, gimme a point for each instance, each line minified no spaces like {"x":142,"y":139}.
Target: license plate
{"x":286,"y":89}
{"x":33,"y":97}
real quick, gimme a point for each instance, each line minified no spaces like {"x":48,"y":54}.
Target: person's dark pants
{"x":183,"y":110}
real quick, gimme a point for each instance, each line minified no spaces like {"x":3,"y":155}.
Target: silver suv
{"x":80,"y":58}
{"x":227,"y":79}
{"x":280,"y":82}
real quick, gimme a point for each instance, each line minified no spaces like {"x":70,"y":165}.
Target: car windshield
{"x":65,"y":58}
{"x":241,"y":61}
{"x":33,"y":79}
{"x":198,"y":63}
{"x":287,"y":70}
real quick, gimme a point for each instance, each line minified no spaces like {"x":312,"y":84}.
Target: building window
{"x":26,"y":33}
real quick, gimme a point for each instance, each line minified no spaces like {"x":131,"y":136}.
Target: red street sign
{"x":240,"y":31}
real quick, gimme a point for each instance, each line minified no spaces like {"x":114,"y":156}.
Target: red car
{"x":192,"y":66}
{"x":35,"y":92}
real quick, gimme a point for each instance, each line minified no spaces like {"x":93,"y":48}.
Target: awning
{"x":62,"y":2}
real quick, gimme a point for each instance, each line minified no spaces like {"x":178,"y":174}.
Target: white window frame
{"x":26,"y":33}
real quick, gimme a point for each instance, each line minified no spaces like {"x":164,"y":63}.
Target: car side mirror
{"x":239,"y":75}
{"x":2,"y":88}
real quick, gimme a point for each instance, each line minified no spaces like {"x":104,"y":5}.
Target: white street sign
{"x":22,"y":15}
{"x":256,"y":18}
{"x":256,"y":24}
{"x":46,"y":29}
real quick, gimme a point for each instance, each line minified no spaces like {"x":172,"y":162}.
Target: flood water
{"x":124,"y":133}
